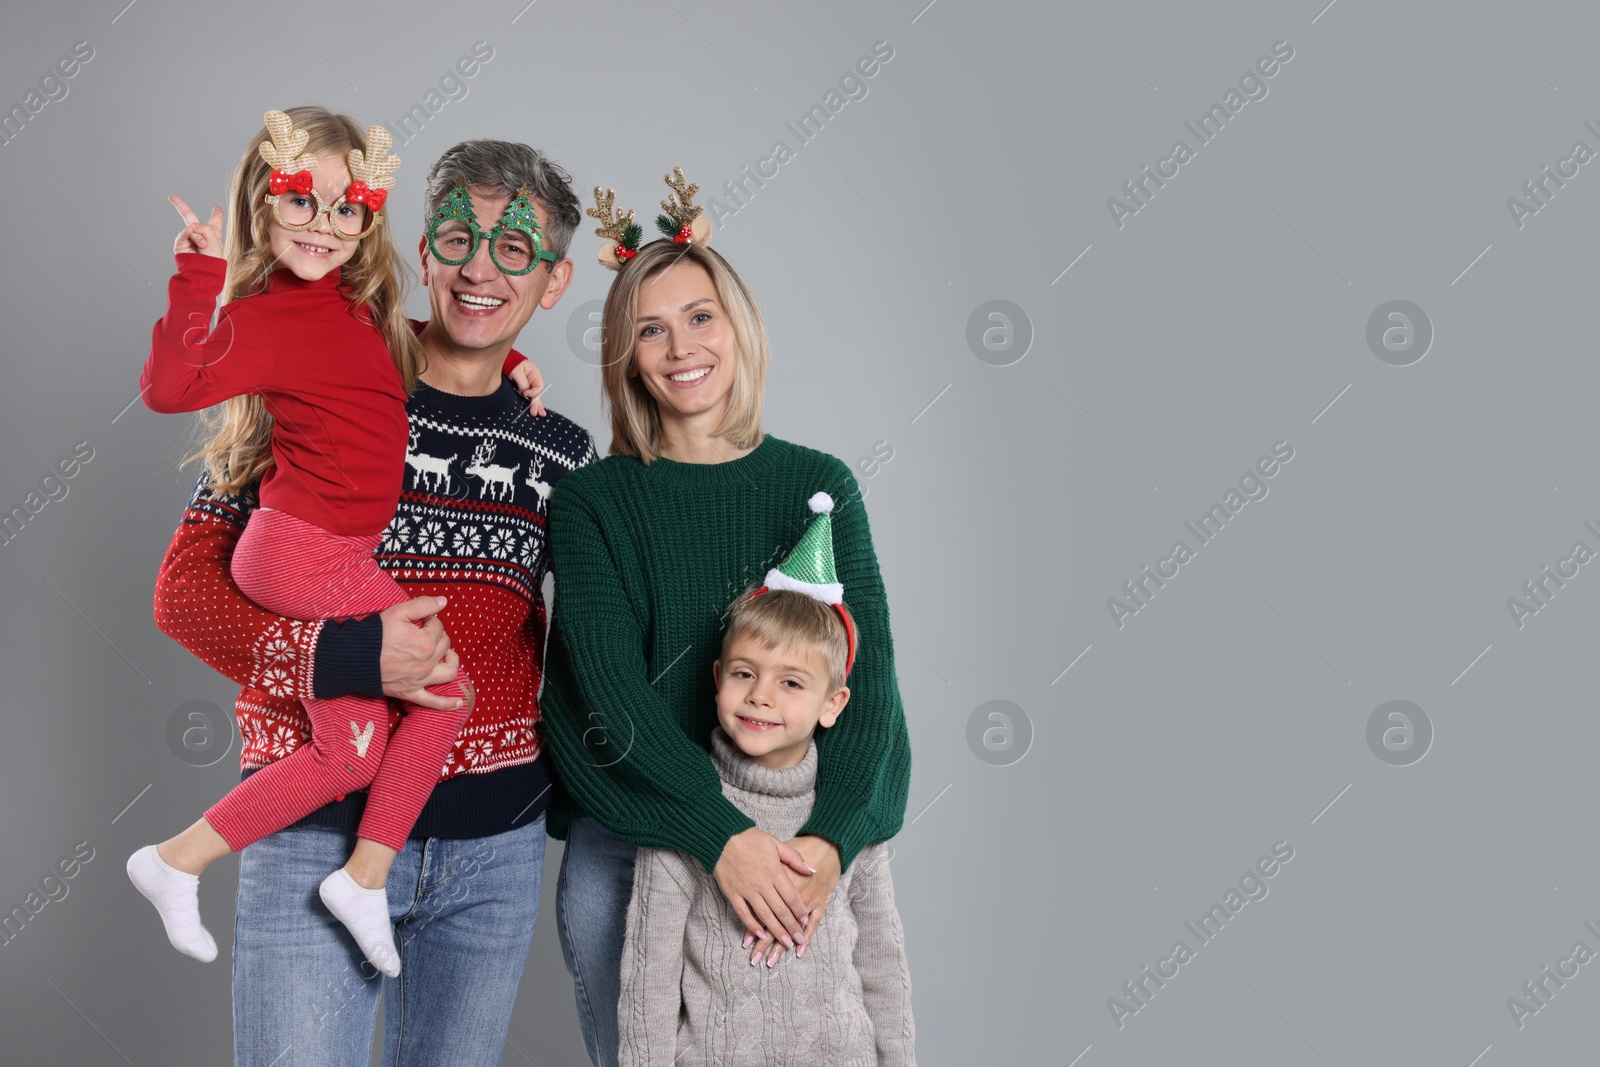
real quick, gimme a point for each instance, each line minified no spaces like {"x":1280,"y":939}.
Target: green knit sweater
{"x":647,"y":557}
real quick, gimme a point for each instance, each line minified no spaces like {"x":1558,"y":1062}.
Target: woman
{"x":649,"y":545}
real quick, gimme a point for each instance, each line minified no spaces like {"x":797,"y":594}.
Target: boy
{"x":690,"y":994}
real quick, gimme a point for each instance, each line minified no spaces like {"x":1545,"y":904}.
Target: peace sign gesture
{"x":198,"y":236}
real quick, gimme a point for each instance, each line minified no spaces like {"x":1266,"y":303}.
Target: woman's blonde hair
{"x":233,"y":438}
{"x":635,"y":420}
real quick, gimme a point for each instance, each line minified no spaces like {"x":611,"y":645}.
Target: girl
{"x":313,"y":360}
{"x":650,"y":545}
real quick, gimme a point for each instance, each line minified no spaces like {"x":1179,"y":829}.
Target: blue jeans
{"x":592,"y":898}
{"x":303,"y":995}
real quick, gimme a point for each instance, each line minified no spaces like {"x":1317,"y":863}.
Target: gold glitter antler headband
{"x":684,"y":221}
{"x":621,"y":233}
{"x":291,"y":164}
{"x":372,"y":170}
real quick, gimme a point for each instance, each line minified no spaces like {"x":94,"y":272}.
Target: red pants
{"x":301,"y":571}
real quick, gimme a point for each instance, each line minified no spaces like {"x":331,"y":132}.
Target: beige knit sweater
{"x":690,"y":997}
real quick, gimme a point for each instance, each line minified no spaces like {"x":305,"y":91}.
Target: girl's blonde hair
{"x":233,"y":438}
{"x":635,"y":421}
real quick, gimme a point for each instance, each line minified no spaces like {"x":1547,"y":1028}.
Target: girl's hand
{"x":197,"y":236}
{"x":816,"y":892}
{"x":530,"y":383}
{"x":753,"y":873}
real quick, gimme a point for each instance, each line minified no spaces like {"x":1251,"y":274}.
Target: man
{"x":469,"y":530}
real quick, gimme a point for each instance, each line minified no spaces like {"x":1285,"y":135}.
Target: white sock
{"x":365,"y":913}
{"x":176,"y":895}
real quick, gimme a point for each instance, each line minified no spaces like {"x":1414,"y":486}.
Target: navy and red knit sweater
{"x":470,"y":526}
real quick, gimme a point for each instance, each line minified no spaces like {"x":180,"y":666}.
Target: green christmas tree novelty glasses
{"x":516,"y":244}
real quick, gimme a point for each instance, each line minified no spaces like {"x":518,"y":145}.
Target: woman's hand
{"x":753,"y":873}
{"x":530,"y":383}
{"x":817,"y":891}
{"x":197,"y":236}
{"x":416,"y":653}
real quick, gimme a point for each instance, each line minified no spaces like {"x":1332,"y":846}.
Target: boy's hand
{"x":197,"y":236}
{"x":530,"y":383}
{"x":816,"y":892}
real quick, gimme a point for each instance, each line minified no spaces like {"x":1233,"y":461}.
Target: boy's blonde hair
{"x":782,"y":618}
{"x":635,"y":422}
{"x":233,"y":438}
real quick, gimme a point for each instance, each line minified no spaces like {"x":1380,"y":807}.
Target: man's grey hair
{"x":503,"y":167}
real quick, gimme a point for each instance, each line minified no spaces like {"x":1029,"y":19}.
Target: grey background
{"x":1228,"y":314}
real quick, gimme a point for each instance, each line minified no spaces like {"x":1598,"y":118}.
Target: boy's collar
{"x":742,"y":772}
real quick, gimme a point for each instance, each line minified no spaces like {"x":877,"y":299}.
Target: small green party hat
{"x":808,"y":568}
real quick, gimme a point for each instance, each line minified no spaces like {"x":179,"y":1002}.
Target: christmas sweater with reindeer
{"x":469,"y":526}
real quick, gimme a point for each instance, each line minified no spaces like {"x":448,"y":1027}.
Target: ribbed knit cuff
{"x":703,"y":837}
{"x":850,"y":830}
{"x":706,"y":840}
{"x":348,"y":658}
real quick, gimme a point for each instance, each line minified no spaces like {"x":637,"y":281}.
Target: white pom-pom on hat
{"x":821,"y":503}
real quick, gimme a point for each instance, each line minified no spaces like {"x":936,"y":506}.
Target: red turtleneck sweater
{"x":324,"y":372}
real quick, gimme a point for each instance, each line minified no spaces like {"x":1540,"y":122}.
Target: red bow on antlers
{"x":282,"y":181}
{"x":360,"y":192}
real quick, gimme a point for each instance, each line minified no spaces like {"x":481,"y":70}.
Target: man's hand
{"x":753,"y":873}
{"x":530,"y":383}
{"x":816,"y":891}
{"x":417,"y":653}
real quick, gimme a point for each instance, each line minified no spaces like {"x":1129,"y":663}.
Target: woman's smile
{"x":690,"y":377}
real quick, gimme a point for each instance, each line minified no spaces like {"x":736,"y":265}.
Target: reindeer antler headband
{"x":372,"y":172}
{"x":285,"y":153}
{"x":682,"y":220}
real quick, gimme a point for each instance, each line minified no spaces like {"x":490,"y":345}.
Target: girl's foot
{"x":365,"y":913}
{"x":176,"y":895}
